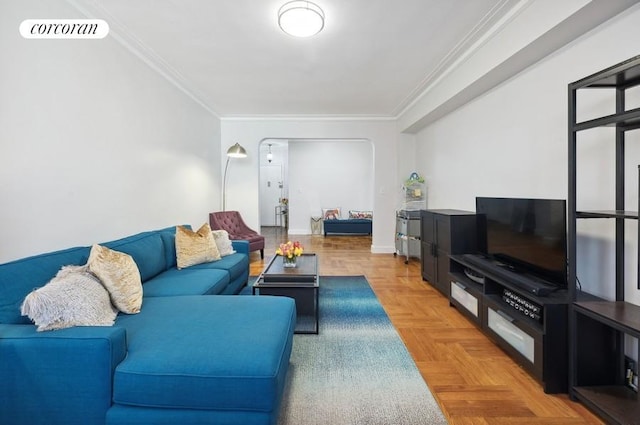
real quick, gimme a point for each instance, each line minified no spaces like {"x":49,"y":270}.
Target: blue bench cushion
{"x":189,"y":281}
{"x":239,"y":369}
{"x":351,"y":225}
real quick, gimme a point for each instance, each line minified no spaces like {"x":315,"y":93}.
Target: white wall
{"x":242,"y":185}
{"x":328,"y":174}
{"x":512,"y":141}
{"x":94,"y":145}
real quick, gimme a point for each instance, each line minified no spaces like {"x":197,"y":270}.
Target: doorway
{"x":271,"y":183}
{"x":273,"y":186}
{"x":328,"y":173}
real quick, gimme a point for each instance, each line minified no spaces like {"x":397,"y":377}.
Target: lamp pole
{"x":235,"y":151}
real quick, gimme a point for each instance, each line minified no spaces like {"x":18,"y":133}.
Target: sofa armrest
{"x":240,"y":246}
{"x":58,"y":377}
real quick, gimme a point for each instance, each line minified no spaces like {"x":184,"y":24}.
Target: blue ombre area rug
{"x":357,"y":370}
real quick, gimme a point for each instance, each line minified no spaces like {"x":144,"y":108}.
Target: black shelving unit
{"x":598,"y":327}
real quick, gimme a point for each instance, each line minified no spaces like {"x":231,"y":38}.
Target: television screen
{"x":528,"y":234}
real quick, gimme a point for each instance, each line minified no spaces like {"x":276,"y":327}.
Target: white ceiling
{"x":373,"y":58}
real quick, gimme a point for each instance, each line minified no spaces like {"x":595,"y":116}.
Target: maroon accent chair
{"x":232,"y":222}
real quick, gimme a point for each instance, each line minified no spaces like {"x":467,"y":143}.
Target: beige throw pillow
{"x":195,"y":247}
{"x":120,"y":276}
{"x":223,"y":242}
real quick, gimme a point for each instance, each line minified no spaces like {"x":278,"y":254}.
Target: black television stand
{"x":520,"y":313}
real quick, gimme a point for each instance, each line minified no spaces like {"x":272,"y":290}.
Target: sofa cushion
{"x":235,"y":264}
{"x":147,"y":250}
{"x":74,"y":297}
{"x":119,"y":274}
{"x":239,"y":369}
{"x":169,"y":242}
{"x":195,"y":247}
{"x":189,"y":281}
{"x":20,"y":277}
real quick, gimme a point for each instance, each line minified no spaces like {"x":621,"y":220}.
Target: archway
{"x":316,"y":174}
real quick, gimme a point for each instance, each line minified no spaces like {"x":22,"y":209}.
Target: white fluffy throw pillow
{"x":223,"y":242}
{"x":74,"y":297}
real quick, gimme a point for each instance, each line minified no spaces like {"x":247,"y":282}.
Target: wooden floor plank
{"x":473,"y":380}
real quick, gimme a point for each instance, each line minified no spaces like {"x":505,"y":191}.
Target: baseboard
{"x":299,"y":231}
{"x":377,"y":249}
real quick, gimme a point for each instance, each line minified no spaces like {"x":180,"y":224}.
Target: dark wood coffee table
{"x":301,"y":283}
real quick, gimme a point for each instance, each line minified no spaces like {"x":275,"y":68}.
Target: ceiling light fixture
{"x":301,"y":18}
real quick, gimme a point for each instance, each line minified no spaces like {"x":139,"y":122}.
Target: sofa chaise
{"x":194,"y":354}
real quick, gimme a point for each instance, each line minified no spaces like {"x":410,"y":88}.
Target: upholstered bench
{"x":348,"y":226}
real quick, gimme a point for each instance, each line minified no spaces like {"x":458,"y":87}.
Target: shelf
{"x":617,"y":403}
{"x":607,"y":214}
{"x":625,"y":120}
{"x":624,"y":74}
{"x":475,"y":287}
{"x":600,"y":329}
{"x":619,"y":315}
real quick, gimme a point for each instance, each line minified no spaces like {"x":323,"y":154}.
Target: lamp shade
{"x":236,"y":151}
{"x":301,"y":18}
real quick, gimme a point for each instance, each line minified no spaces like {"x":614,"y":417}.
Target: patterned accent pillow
{"x":74,"y":297}
{"x":223,"y":242}
{"x":361,"y":214}
{"x":195,"y":247}
{"x":331,"y":213}
{"x":120,"y":275}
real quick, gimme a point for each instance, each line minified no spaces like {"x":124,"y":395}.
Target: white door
{"x":270,"y":193}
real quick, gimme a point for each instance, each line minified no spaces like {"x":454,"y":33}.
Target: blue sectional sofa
{"x":195,"y":354}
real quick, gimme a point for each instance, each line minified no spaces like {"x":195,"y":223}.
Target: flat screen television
{"x":528,"y":235}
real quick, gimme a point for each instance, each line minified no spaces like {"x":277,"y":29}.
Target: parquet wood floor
{"x":474,"y":381}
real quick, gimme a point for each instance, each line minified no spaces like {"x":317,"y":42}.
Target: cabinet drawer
{"x":413,"y":228}
{"x":460,"y":297}
{"x":521,"y":341}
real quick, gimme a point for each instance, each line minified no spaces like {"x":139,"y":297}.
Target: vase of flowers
{"x":290,"y":252}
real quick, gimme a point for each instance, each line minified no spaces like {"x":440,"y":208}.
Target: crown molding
{"x":568,"y":22}
{"x":122,"y":35}
{"x":310,"y":117}
{"x":492,"y":23}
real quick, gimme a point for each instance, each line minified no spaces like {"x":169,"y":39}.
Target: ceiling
{"x":372,"y":59}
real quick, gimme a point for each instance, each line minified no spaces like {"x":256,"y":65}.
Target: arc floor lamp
{"x":235,"y":151}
